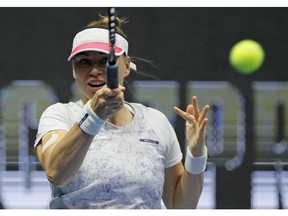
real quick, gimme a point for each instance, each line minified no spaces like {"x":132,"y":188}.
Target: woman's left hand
{"x":195,"y":126}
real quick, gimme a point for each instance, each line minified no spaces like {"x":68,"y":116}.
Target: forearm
{"x":188,"y":190}
{"x":67,"y":155}
{"x":189,"y":185}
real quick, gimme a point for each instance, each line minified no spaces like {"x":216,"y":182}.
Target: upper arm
{"x":47,"y":144}
{"x":172,"y":176}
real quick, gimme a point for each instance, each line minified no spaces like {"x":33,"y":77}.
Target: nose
{"x":96,"y":70}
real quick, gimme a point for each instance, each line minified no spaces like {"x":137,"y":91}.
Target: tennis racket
{"x":112,"y":67}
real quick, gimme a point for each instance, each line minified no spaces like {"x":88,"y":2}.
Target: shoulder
{"x":63,"y":108}
{"x":165,"y":132}
{"x":69,"y":105}
{"x":62,"y":112}
{"x":148,"y":111}
{"x":155,"y":118}
{"x":59,"y":116}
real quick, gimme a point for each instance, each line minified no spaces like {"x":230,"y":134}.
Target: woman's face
{"x":89,"y":71}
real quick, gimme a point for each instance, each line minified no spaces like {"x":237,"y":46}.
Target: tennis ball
{"x":247,"y":56}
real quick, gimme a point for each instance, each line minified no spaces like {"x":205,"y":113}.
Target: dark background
{"x":185,"y":44}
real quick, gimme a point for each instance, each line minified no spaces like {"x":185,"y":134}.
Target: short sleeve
{"x":55,"y":117}
{"x":173,"y":154}
{"x":163,"y":128}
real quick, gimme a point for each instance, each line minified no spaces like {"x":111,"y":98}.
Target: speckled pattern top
{"x":124,"y":166}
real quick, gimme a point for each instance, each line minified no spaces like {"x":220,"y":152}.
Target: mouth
{"x":96,"y":84}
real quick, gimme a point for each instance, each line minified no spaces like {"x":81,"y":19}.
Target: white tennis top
{"x":124,"y":166}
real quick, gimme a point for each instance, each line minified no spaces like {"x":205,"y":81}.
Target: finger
{"x":110,"y":93}
{"x":203,"y":127}
{"x":180,"y":112}
{"x":187,"y":116}
{"x":105,"y":105}
{"x":196,"y":107}
{"x":190,"y":109}
{"x":120,"y":87}
{"x":204,"y":123}
{"x":193,"y":122}
{"x":115,"y":99}
{"x":203,"y":114}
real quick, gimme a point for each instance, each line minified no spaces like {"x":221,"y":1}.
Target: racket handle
{"x":112,"y":75}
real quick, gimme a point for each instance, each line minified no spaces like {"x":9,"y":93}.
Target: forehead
{"x":91,"y":54}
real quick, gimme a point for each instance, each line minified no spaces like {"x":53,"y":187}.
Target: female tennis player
{"x":103,"y":152}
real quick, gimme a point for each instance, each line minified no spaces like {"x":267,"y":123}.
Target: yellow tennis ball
{"x":247,"y":56}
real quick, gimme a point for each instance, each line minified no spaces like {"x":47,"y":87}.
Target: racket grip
{"x":112,"y":75}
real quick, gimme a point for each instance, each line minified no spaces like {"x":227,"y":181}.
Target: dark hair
{"x":103,"y":22}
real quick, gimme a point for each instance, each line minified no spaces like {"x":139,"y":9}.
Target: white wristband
{"x":195,"y":165}
{"x":89,"y":122}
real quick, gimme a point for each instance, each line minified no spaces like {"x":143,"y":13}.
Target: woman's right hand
{"x":107,"y":102}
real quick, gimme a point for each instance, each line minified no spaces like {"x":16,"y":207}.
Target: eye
{"x":84,"y":61}
{"x":104,"y":60}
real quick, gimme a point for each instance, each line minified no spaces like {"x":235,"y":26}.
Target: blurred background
{"x":248,"y":121}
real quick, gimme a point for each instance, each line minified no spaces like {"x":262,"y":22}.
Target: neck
{"x":122,"y":117}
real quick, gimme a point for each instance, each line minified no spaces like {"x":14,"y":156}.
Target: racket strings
{"x":112,"y":26}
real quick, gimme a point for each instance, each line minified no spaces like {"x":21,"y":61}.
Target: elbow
{"x":56,"y":178}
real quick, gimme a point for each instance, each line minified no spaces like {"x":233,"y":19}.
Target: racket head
{"x":112,"y":25}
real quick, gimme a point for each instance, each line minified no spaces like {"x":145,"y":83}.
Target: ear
{"x":127,"y":66}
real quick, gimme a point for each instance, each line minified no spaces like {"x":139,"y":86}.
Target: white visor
{"x":97,"y":39}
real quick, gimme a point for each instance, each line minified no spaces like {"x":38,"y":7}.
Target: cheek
{"x":76,"y":72}
{"x":123,"y":70}
{"x":79,"y":76}
{"x":121,"y":73}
